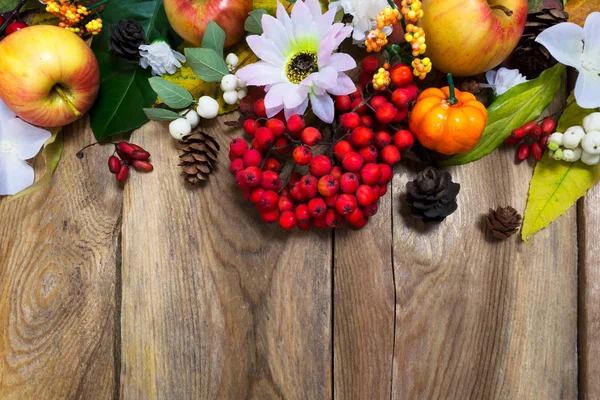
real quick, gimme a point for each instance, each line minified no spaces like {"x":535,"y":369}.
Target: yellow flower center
{"x":300,"y":66}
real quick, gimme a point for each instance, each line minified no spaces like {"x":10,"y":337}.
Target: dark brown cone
{"x":126,"y":36}
{"x":503,"y":222}
{"x":432,"y":196}
{"x":198,"y":156}
{"x":530,"y":57}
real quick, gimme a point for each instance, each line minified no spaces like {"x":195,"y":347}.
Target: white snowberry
{"x":230,"y":97}
{"x":241,"y":94}
{"x":557,"y":138}
{"x":208,"y":107}
{"x":180,"y":128}
{"x":591,"y":142}
{"x":592,"y":122}
{"x":229,"y":83}
{"x":590,"y":159}
{"x":193,"y":118}
{"x":573,"y":136}
{"x":232,"y":60}
{"x":572,"y":155}
{"x":242,"y":84}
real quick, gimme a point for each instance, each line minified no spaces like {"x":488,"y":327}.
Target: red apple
{"x":49,"y":76}
{"x":189,"y":18}
{"x":468,"y":37}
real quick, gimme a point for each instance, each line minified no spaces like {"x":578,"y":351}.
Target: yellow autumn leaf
{"x":271,"y":5}
{"x":579,"y":10}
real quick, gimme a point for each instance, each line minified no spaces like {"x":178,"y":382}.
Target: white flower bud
{"x":591,"y":142}
{"x":229,"y":83}
{"x":208,"y":107}
{"x":590,"y":159}
{"x":592,"y":122}
{"x":242,"y":84}
{"x":230,"y":97}
{"x":180,"y":128}
{"x":572,"y":155}
{"x":573,"y":136}
{"x":241,"y":94}
{"x":232,"y":60}
{"x":557,"y":138}
{"x":193,"y":118}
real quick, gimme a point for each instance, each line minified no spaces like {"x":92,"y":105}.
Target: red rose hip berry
{"x":390,"y":155}
{"x":302,"y":155}
{"x":370,"y":174}
{"x":311,"y":136}
{"x":320,"y":165}
{"x":352,"y":162}
{"x":404,"y":140}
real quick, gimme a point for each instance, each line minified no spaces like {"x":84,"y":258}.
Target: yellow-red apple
{"x":468,"y":37}
{"x":49,"y":76}
{"x":189,"y":18}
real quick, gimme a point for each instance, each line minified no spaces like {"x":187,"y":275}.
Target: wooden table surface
{"x":156,"y":291}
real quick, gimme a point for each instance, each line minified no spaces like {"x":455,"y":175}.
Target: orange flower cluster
{"x":382,"y":79}
{"x":375,"y":41}
{"x":415,"y":35}
{"x":74,"y":17}
{"x":388,"y":16}
{"x":411,"y":9}
{"x":421,"y":67}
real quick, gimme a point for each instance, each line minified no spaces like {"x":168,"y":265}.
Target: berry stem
{"x":12,"y":15}
{"x":452,"y":100}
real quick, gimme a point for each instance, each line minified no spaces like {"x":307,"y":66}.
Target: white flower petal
{"x":294,"y":96}
{"x":271,"y":112}
{"x":565,"y":42}
{"x":27,"y":139}
{"x":265,"y":49}
{"x":587,"y":89}
{"x":5,"y":112}
{"x":15,"y":174}
{"x":302,"y":20}
{"x":343,"y":86}
{"x":274,"y":96}
{"x":490,"y":77}
{"x":326,"y":47}
{"x":276,"y":32}
{"x":341,"y":62}
{"x":300,"y":110}
{"x":323,"y":107}
{"x":315,"y":9}
{"x":591,"y":36}
{"x":261,"y":73}
{"x":325,"y":22}
{"x":358,"y":35}
{"x":327,"y":78}
{"x":286,"y":21}
{"x":387,"y":30}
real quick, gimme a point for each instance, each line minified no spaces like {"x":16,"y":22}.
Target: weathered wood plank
{"x":58,"y":267}
{"x":215,"y":303}
{"x":364,"y":308}
{"x":476,"y":318}
{"x":589,"y":295}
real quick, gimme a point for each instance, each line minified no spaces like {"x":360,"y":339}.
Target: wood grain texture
{"x":478,"y":318}
{"x":364,"y":308}
{"x":589,"y":295}
{"x":58,"y":266}
{"x":215,"y":303}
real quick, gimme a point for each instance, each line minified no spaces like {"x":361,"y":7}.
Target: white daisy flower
{"x":160,"y":57}
{"x":298,"y":62}
{"x":364,"y":16}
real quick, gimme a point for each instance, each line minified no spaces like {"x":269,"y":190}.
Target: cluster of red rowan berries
{"x":345,"y":183}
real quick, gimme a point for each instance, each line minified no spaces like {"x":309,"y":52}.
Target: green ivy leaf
{"x":172,"y":95}
{"x":207,"y":64}
{"x":253,"y":23}
{"x":519,"y":105}
{"x":161,"y":114}
{"x":214,"y":38}
{"x":124,"y":86}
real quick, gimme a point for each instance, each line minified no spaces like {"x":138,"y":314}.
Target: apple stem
{"x":67,"y":101}
{"x":452,"y":100}
{"x":506,"y":11}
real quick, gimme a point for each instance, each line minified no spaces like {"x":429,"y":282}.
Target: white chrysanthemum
{"x":364,"y":16}
{"x":504,"y":79}
{"x":19,"y":141}
{"x":298,"y":62}
{"x":160,"y":57}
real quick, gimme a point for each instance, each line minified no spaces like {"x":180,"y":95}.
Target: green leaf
{"x":124,"y":86}
{"x":9,"y":5}
{"x":253,"y":23}
{"x":557,"y":185}
{"x":160,"y":114}
{"x":214,"y":38}
{"x":519,"y":105}
{"x":172,"y":95}
{"x":207,"y":64}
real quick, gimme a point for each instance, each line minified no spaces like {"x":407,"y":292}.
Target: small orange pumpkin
{"x":447,"y":120}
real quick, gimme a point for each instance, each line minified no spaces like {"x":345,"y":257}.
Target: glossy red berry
{"x":276,"y":126}
{"x":390,"y":155}
{"x":123,"y":173}
{"x":400,"y":115}
{"x":320,"y":223}
{"x":543,"y":142}
{"x":370,"y":64}
{"x":265,"y":138}
{"x":302,"y":214}
{"x":296,"y":124}
{"x":355,"y":217}
{"x":382,"y":139}
{"x":359,"y":107}
{"x":260,"y":109}
{"x":377,"y":101}
{"x":413,"y":91}
{"x":350,"y":120}
{"x":287,"y":220}
{"x":548,"y":125}
{"x":536,"y":151}
{"x":349,"y":182}
{"x":142,"y":166}
{"x":251,"y":176}
{"x":370,"y":174}
{"x":361,"y":136}
{"x":342,"y":148}
{"x":270,"y":180}
{"x":386,"y":174}
{"x":535,"y":132}
{"x":371,"y":210}
{"x":352,"y":162}
{"x":309,"y":185}
{"x":402,"y":75}
{"x":272,"y":164}
{"x":345,"y":204}
{"x":252,"y":158}
{"x":317,"y":207}
{"x":333,"y":218}
{"x":320,"y":165}
{"x":251,"y":126}
{"x":114,"y":164}
{"x":365,"y":195}
{"x":401,"y":97}
{"x":367,"y":121}
{"x":337,"y":172}
{"x":238,"y":146}
{"x":296,"y":192}
{"x":17,"y":26}
{"x":328,"y":185}
{"x":285,"y":204}
{"x":523,"y":152}
{"x":343,"y":103}
{"x":386,"y":113}
{"x":310,"y":136}
{"x":282,"y":145}
{"x":256,"y":195}
{"x":269,"y":217}
{"x":404,"y":140}
{"x":268,"y":201}
{"x":369,"y":154}
{"x":518,"y":133}
{"x":302,"y":155}
{"x":330,"y":200}
{"x":512,"y":140}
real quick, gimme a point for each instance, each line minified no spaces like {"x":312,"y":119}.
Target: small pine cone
{"x":503,"y":222}
{"x":126,"y":36}
{"x":432,"y":196}
{"x":198,"y":156}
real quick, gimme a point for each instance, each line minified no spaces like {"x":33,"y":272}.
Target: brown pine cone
{"x":432,"y":196}
{"x":503,"y":222}
{"x":199,"y":152}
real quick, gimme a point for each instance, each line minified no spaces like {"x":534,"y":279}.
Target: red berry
{"x":282,"y":145}
{"x":365,"y":78}
{"x":285,"y":204}
{"x":140,"y":155}
{"x":390,"y":155}
{"x":269,"y":217}
{"x":535,"y":132}
{"x":382,"y":190}
{"x":386,"y":174}
{"x":269,"y":180}
{"x":382,"y":139}
{"x":342,"y":148}
{"x":543,"y":142}
{"x":236,"y":166}
{"x":268,"y":201}
{"x":536,"y":151}
{"x":252,"y":158}
{"x":256,"y":195}
{"x":317,"y":207}
{"x":251,"y":126}
{"x":302,"y":214}
{"x":321,"y":223}
{"x":125,"y":150}
{"x":319,"y":166}
{"x":357,"y":93}
{"x":361,"y":136}
{"x":369,"y":154}
{"x":345,"y":204}
{"x":413,"y":91}
{"x":252,"y":177}
{"x":400,"y":115}
{"x":309,"y":185}
{"x":17,"y":26}
{"x":386,"y":113}
{"x":142,"y":165}
{"x":367,"y":121}
{"x":302,"y":155}
{"x":265,"y":138}
{"x":511,"y":140}
{"x":337,"y":172}
{"x":529,"y":126}
{"x":359,"y":108}
{"x":333,"y":219}
{"x":371,"y":210}
{"x":311,"y":136}
{"x":404,"y":140}
{"x":343,"y":103}
{"x":378,"y":101}
{"x":256,"y":146}
{"x":259,"y":108}
{"x":240,"y":178}
{"x":350,"y":120}
{"x":523,"y":152}
{"x":518,"y":133}
{"x":295,"y":177}
{"x":276,"y":126}
{"x":272,"y":164}
{"x":401,"y":98}
{"x":328,"y":185}
{"x":352,"y":162}
{"x":370,"y":174}
{"x":123,"y":172}
{"x":238,"y":147}
{"x":330,"y":200}
{"x":295,"y":124}
{"x":287,"y":220}
{"x":370,"y":64}
{"x":296,"y":192}
{"x":305,"y":226}
{"x":114,"y":164}
{"x":402,"y":75}
{"x":548,"y":125}
{"x":376,"y":191}
{"x":349,"y":182}
{"x":355,"y":216}
{"x":365,"y":195}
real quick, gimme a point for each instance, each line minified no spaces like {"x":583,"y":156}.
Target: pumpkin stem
{"x":452,"y":100}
